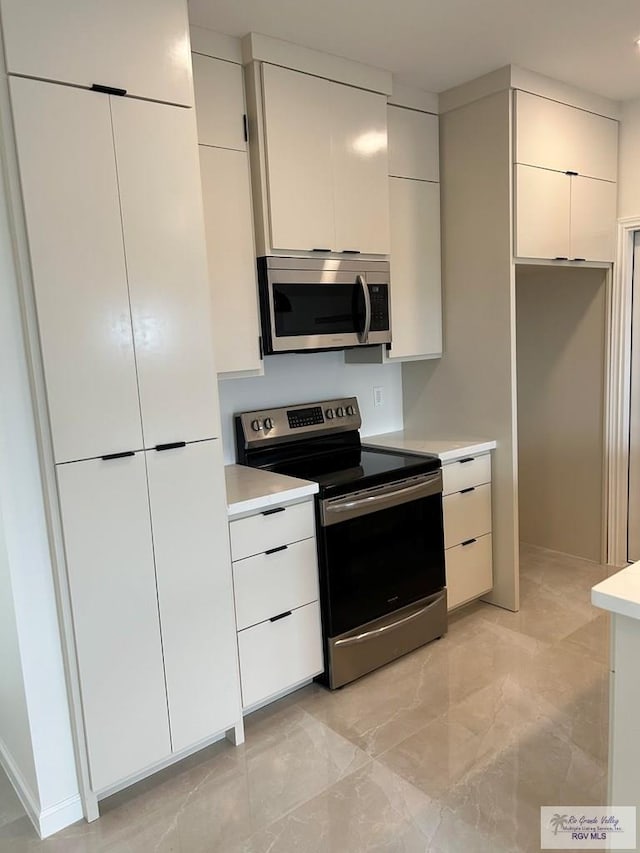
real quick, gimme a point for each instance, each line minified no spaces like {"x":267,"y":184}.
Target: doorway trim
{"x":619,"y":393}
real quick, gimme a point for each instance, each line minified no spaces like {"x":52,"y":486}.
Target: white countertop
{"x":447,"y":449}
{"x":251,"y":489}
{"x":620,"y":593}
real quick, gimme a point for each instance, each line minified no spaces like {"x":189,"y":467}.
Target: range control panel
{"x":307,"y":419}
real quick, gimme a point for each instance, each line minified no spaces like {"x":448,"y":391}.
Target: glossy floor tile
{"x":452,"y":748}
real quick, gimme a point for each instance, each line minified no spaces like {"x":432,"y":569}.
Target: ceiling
{"x":437,"y":44}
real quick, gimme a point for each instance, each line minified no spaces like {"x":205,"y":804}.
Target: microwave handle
{"x":362,"y":281}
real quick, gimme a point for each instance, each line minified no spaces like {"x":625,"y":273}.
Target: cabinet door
{"x":68,"y":176}
{"x":107,"y":537}
{"x":219,"y":94}
{"x":142,"y":47}
{"x":161,"y":200}
{"x":360,"y":170}
{"x":593,"y":219}
{"x":228,"y":220}
{"x":542,"y":213}
{"x":193,"y":565}
{"x":416,"y":291}
{"x":556,"y":136}
{"x":297,"y":124}
{"x":413,"y":144}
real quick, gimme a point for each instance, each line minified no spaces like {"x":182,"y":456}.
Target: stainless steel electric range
{"x":379,"y":525}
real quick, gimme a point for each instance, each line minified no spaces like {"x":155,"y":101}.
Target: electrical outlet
{"x":378,"y":396}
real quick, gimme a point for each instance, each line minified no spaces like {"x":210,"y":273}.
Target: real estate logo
{"x":588,"y":827}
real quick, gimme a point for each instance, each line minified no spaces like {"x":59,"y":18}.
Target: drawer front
{"x":277,"y":655}
{"x":472,"y":471}
{"x":469,"y":571}
{"x":270,"y":528}
{"x":467,"y":515}
{"x":268,"y":584}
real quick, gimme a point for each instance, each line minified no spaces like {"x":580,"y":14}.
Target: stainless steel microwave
{"x":323,"y":303}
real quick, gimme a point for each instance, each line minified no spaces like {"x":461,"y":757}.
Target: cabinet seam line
{"x":146,"y":466}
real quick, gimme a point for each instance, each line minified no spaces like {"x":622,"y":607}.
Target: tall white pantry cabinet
{"x":113,"y":210}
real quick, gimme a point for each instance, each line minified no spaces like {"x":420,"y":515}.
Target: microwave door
{"x":317,"y":315}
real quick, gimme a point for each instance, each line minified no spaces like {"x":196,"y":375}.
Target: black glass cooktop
{"x":344,"y":471}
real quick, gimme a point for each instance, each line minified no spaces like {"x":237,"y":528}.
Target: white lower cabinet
{"x":469,"y":570}
{"x":279,"y":653}
{"x":195,"y":592}
{"x":467,"y":528}
{"x":275,"y":574}
{"x":149,"y":572}
{"x":107,"y":533}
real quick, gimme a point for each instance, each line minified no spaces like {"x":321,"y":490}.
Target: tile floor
{"x":452,"y":748}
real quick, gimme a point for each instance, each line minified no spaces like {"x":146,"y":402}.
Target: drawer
{"x":469,"y":571}
{"x":268,"y":584}
{"x":471,"y":471}
{"x":277,"y":655}
{"x":270,"y":528}
{"x":466,"y":515}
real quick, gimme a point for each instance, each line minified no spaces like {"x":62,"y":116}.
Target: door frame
{"x":618,"y":393}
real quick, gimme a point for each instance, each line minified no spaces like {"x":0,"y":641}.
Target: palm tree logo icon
{"x":557,"y":822}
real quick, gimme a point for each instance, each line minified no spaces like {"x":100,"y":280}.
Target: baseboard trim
{"x":47,"y":821}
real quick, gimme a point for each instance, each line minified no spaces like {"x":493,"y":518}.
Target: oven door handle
{"x":390,"y":626}
{"x":363,"y":336}
{"x":343,"y":509}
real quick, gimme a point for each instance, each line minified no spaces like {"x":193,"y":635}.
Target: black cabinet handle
{"x":321,"y":250}
{"x":126,"y":453}
{"x":351,"y":252}
{"x":275,"y":550}
{"x":174,"y":445}
{"x":569,"y":172}
{"x":273,"y":511}
{"x":245,"y":127}
{"x":108,"y":90}
{"x":468,"y":542}
{"x":470,"y":489}
{"x":468,"y":459}
{"x":579,"y":259}
{"x":560,"y":258}
{"x":280,"y":616}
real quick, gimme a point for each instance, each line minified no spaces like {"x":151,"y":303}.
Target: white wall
{"x":471,"y":390}
{"x":629,"y":160}
{"x":15,"y":735}
{"x":302,"y":378}
{"x":27,"y":572}
{"x":561,"y":315}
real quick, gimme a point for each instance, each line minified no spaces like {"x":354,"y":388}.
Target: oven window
{"x":379,"y":562}
{"x":317,"y":309}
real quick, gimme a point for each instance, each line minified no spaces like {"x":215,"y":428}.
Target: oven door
{"x":381,"y":550}
{"x":305,"y":309}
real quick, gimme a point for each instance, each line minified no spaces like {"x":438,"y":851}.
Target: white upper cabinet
{"x":68,"y":176}
{"x":228,"y":215}
{"x":195,"y":594}
{"x":542,"y":213}
{"x":142,"y":47}
{"x":226,"y":195}
{"x":416,"y":289}
{"x":160,"y":196}
{"x":593,"y":219}
{"x":325,"y":163}
{"x":219,"y":93}
{"x":564,"y":138}
{"x":564,"y":181}
{"x":297,"y":125}
{"x":413,"y":144}
{"x":360,"y":164}
{"x":109,"y":554}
